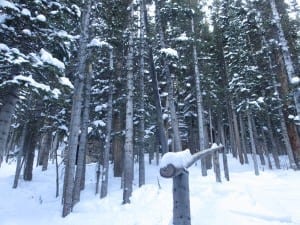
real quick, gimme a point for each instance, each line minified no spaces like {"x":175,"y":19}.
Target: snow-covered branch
{"x":174,"y":163}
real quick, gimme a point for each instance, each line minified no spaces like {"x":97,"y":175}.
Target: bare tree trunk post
{"x":216,"y":164}
{"x":181,"y":199}
{"x":225,"y":165}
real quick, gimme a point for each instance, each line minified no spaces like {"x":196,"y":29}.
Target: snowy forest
{"x":117,"y":84}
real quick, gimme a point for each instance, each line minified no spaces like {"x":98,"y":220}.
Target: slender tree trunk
{"x":273,"y":144}
{"x":237,"y":135}
{"x":45,"y":148}
{"x":10,"y":98}
{"x":20,"y":156}
{"x":231,"y":130}
{"x":57,"y":174}
{"x":244,"y":145}
{"x":252,"y":141}
{"x":104,"y":182}
{"x":266,"y":150}
{"x":128,"y":156}
{"x":76,"y":114}
{"x":141,"y":99}
{"x":159,"y":116}
{"x":258,"y":147}
{"x":83,"y":137}
{"x":170,"y":84}
{"x":203,"y":142}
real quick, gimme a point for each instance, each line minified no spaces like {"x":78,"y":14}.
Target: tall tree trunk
{"x":29,"y":149}
{"x":118,"y":144}
{"x":10,"y":98}
{"x":104,"y":182}
{"x":141,"y":99}
{"x":128,"y":156}
{"x":273,"y":144}
{"x":83,"y":137}
{"x":159,"y":116}
{"x":20,"y":155}
{"x":203,"y":142}
{"x":289,"y":133}
{"x":170,"y":83}
{"x":266,"y":150}
{"x":45,"y":148}
{"x":76,"y":113}
{"x":237,"y":135}
{"x":243,"y":139}
{"x":252,"y":141}
{"x":289,"y":66}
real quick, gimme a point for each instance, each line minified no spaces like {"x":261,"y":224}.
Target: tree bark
{"x":289,"y":66}
{"x":252,"y":141}
{"x":76,"y":114}
{"x":159,"y":116}
{"x":170,"y":83}
{"x":141,"y":150}
{"x":29,"y":149}
{"x":128,"y":156}
{"x":45,"y":148}
{"x":83,"y":137}
{"x":20,"y":156}
{"x":10,"y":98}
{"x":104,"y":182}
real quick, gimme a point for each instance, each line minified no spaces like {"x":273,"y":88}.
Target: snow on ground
{"x":269,"y":199}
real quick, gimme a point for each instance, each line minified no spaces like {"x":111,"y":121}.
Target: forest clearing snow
{"x":269,"y":199}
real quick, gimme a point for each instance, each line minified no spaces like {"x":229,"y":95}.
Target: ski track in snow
{"x":269,"y":199}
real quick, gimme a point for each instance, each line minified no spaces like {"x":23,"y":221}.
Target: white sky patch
{"x":48,"y":58}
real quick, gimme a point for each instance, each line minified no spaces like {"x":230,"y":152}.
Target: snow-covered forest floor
{"x":269,"y":199}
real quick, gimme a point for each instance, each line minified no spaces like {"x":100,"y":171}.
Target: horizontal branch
{"x":170,"y":166}
{"x":201,"y":154}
